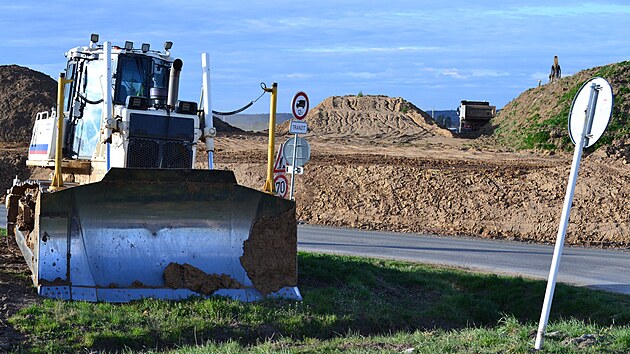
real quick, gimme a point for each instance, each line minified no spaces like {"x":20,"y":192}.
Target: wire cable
{"x":236,"y":111}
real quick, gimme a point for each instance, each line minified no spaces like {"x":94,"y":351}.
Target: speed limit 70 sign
{"x":281,"y":183}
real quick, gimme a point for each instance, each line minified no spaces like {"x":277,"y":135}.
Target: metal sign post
{"x":299,"y":107}
{"x":293,"y":168}
{"x":298,"y":151}
{"x":587,"y":123}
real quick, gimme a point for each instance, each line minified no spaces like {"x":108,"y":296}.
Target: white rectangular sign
{"x":298,"y":170}
{"x":298,"y":127}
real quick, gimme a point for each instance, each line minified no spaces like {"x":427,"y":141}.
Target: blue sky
{"x":431,"y":53}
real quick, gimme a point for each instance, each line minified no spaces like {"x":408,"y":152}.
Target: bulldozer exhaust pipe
{"x":173,"y":82}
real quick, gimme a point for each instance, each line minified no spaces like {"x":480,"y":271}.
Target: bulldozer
{"x":125,"y":211}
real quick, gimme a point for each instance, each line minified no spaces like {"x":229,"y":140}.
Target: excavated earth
{"x":380,"y":163}
{"x":438,"y":183}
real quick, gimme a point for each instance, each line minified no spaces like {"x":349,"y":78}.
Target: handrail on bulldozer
{"x":57,"y":181}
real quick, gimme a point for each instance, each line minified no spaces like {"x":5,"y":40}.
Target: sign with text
{"x":298,"y":127}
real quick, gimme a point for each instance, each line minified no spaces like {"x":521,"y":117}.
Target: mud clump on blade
{"x":186,"y":276}
{"x":270,"y":253}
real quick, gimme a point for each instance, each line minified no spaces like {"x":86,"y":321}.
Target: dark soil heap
{"x":373,"y":117}
{"x":23,"y":93}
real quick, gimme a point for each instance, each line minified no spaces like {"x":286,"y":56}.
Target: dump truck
{"x":474,"y":114}
{"x":127,"y":212}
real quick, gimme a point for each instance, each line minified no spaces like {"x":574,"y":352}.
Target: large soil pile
{"x":369,"y":117}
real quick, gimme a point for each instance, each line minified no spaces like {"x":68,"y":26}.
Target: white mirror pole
{"x":295,"y":142}
{"x":566,"y":210}
{"x":209,"y":131}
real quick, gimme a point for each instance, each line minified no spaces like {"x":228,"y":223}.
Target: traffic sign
{"x":281,"y":184}
{"x":589,"y":116}
{"x":298,"y":127}
{"x":280,"y":180}
{"x":299,"y":105}
{"x":302,"y":151}
{"x":603,"y":109}
{"x":297,"y":170}
{"x":280,"y":166}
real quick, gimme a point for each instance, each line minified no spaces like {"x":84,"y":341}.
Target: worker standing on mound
{"x":556,"y":72}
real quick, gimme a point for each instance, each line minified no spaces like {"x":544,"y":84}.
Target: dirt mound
{"x":224,"y":127}
{"x":369,"y":117}
{"x":23,"y":93}
{"x":537,"y":119}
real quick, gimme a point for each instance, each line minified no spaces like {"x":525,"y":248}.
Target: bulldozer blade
{"x":167,"y":234}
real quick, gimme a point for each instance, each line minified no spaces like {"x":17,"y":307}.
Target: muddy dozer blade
{"x":164,"y":234}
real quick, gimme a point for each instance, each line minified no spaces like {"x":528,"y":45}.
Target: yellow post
{"x":269,"y":186}
{"x":57,"y":181}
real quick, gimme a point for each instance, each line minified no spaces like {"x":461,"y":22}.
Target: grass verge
{"x":350,"y":304}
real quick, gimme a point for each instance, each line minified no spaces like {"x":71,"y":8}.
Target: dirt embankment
{"x":502,"y":196}
{"x":537,"y":118}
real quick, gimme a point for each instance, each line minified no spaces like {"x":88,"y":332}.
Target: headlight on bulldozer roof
{"x":186,"y":107}
{"x":137,"y":102}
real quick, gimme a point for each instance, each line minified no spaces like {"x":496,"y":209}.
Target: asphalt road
{"x":601,"y":269}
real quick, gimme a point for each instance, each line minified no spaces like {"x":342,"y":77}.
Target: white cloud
{"x":488,"y":73}
{"x":297,"y":76}
{"x":361,"y":75}
{"x":582,"y":9}
{"x":454,"y":73}
{"x":355,"y":49}
{"x":448,"y":72}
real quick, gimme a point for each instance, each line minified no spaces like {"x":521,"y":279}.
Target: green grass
{"x":3,"y":232}
{"x":350,"y":304}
